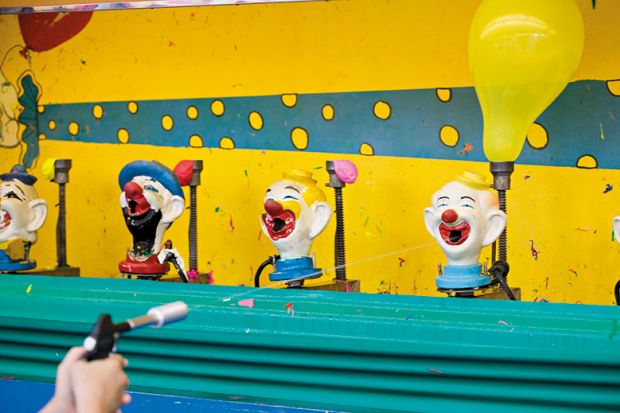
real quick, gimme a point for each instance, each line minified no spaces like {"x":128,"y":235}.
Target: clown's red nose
{"x":132,"y":190}
{"x":449,"y":216}
{"x":273,"y":208}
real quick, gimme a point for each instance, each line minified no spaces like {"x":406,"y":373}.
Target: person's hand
{"x":96,"y":386}
{"x":99,"y":385}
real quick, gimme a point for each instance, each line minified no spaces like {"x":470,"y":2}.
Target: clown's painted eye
{"x":467,"y":206}
{"x":442,"y":205}
{"x":151,"y":188}
{"x":291,"y":197}
{"x":12,"y":195}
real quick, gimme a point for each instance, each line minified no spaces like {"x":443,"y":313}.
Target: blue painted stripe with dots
{"x":582,"y":121}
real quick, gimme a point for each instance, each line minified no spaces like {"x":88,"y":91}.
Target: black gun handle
{"x":102,"y":339}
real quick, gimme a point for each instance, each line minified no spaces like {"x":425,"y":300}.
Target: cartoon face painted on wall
{"x":22,"y":213}
{"x":151,"y":200}
{"x":465,"y":217}
{"x":295,"y":213}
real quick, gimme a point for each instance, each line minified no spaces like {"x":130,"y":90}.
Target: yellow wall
{"x":355,"y":45}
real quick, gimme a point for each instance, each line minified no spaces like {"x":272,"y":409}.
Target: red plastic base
{"x":150,"y":266}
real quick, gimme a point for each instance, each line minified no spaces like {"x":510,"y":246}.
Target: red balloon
{"x":44,"y":31}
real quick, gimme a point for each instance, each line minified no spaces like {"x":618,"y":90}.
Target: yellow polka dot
{"x":74,"y":128}
{"x":217,"y":107}
{"x":167,"y":122}
{"x":366,"y":149}
{"x":195,"y":141}
{"x":382,"y":110}
{"x":299,"y":137}
{"x":40,"y":108}
{"x":449,"y":135}
{"x":192,"y":112}
{"x":328,"y":112}
{"x":51,"y":125}
{"x":122,"y":135}
{"x":587,"y":162}
{"x":289,"y":100}
{"x":132,"y":107}
{"x":97,"y":111}
{"x":444,"y":94}
{"x":614,"y":87}
{"x":42,"y":137}
{"x":227,"y":143}
{"x":256,"y":120}
{"x":537,"y":136}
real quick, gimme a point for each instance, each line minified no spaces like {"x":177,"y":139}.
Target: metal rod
{"x":341,"y":273}
{"x":61,"y":229}
{"x":193,"y":215}
{"x":503,"y":238}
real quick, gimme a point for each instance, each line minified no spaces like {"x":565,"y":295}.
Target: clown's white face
{"x":289,"y":221}
{"x":149,"y":209}
{"x":463,"y":220}
{"x":21,"y":212}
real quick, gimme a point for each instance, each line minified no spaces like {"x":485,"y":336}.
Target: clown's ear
{"x":173,"y":209}
{"x":38,"y":213}
{"x":429,"y":213}
{"x":497,"y":223}
{"x":616,"y":225}
{"x":322,"y":212}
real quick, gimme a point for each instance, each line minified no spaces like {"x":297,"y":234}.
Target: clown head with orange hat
{"x":464,"y":218}
{"x":295,"y":213}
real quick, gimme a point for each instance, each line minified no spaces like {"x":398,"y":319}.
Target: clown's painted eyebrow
{"x":468,"y":197}
{"x":20,"y":190}
{"x":293,"y":188}
{"x":443,"y":197}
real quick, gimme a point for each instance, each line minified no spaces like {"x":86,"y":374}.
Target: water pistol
{"x":102,"y":339}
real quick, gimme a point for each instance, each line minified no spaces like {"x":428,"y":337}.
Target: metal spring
{"x":341,"y":274}
{"x":193,"y":233}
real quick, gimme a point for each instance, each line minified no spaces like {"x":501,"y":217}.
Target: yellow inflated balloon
{"x":522,"y":54}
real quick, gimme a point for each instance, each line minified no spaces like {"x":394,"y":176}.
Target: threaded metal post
{"x":193,"y":231}
{"x":341,"y":273}
{"x":503,"y":241}
{"x":61,"y":229}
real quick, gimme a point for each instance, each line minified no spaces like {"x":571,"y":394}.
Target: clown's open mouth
{"x":454,"y":235}
{"x":5,"y":219}
{"x":137,"y":208}
{"x":143,"y":228}
{"x":281,"y":225}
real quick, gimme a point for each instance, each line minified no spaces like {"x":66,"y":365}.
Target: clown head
{"x":151,"y":200}
{"x":295,"y":213}
{"x":22,"y":213}
{"x":465,"y":217}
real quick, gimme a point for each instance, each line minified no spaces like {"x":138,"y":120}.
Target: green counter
{"x":341,"y":351}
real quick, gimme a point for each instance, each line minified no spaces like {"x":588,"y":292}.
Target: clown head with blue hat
{"x":151,"y":200}
{"x":22,"y":213}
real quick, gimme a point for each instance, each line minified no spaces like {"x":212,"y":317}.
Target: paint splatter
{"x":248,"y":302}
{"x":526,"y":177}
{"x":245,"y":172}
{"x":608,"y":188}
{"x":573,"y":271}
{"x":210,"y":278}
{"x":317,"y":168}
{"x":193,"y":275}
{"x":29,"y":289}
{"x":401,"y":261}
{"x":435,"y":371}
{"x":502,"y":322}
{"x":602,"y":134}
{"x":547,"y":283}
{"x":289,"y":309}
{"x":217,"y":209}
{"x":583,"y":229}
{"x":231,"y":226}
{"x":613,"y":235}
{"x":466,"y":149}
{"x":533,"y":250}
